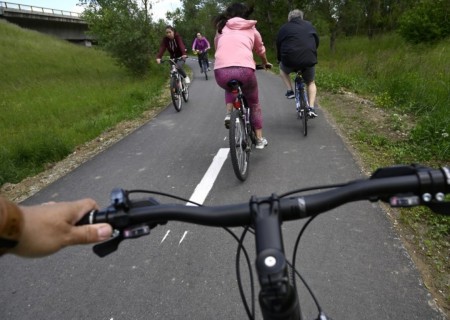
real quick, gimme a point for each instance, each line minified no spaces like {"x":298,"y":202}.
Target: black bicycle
{"x":178,"y":86}
{"x":302,"y":102}
{"x":399,"y":186}
{"x":202,"y":58}
{"x":242,"y":135}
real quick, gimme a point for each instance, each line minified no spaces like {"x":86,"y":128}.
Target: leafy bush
{"x":124,"y":30}
{"x":426,"y":22}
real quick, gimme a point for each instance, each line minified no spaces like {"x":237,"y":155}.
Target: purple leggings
{"x":249,"y":87}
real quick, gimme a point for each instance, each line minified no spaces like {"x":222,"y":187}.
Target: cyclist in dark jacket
{"x":297,"y":43}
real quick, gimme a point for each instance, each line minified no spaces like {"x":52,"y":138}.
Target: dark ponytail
{"x":235,"y":10}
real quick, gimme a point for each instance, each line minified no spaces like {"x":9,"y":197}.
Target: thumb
{"x":91,"y":233}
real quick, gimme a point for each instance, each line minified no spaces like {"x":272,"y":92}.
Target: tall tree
{"x":331,"y":11}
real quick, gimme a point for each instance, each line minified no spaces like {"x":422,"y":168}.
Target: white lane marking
{"x":207,"y":182}
{"x":165,"y":236}
{"x":182,"y":238}
{"x":202,"y":190}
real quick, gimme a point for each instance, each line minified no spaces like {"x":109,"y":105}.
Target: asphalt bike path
{"x":351,"y":257}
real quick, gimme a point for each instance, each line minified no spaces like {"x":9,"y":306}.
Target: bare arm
{"x":47,"y":228}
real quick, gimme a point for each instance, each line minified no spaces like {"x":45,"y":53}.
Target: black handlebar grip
{"x":88,"y":218}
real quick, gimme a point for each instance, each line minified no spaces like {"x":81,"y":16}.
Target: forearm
{"x":263,"y":58}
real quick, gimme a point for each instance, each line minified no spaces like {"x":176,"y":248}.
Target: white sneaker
{"x":261,"y":143}
{"x":227,"y":120}
{"x":188,"y":81}
{"x":312,"y":113}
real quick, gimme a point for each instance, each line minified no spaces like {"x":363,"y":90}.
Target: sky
{"x":160,"y":7}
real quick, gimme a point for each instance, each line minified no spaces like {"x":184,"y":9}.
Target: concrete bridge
{"x":59,"y":23}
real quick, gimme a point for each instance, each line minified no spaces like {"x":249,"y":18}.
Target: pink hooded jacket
{"x":236,"y":43}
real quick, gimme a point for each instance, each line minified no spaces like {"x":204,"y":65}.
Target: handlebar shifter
{"x":117,"y":215}
{"x":429,"y":179}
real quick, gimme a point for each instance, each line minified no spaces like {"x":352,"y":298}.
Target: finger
{"x":90,"y":234}
{"x":82,"y":207}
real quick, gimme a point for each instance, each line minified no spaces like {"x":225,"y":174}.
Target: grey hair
{"x":295,"y":14}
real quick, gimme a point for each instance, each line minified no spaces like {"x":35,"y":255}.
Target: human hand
{"x":158,"y":61}
{"x":49,"y":227}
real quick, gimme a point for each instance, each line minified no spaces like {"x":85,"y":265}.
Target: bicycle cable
{"x":241,"y":247}
{"x":294,"y":271}
{"x":251,"y":315}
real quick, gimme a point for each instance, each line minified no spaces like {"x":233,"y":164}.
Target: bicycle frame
{"x":241,"y":104}
{"x":174,"y":69}
{"x":301,"y":100}
{"x":202,"y":57}
{"x":178,"y":88}
{"x":174,"y":72}
{"x":203,"y":63}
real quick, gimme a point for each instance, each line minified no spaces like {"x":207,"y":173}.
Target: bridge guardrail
{"x":36,"y":9}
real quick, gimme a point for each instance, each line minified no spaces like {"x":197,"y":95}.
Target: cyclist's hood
{"x":240,"y":23}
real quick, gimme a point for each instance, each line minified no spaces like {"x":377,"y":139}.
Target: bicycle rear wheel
{"x":305,"y":117}
{"x":240,"y":146}
{"x":175,"y":90}
{"x":302,"y":112}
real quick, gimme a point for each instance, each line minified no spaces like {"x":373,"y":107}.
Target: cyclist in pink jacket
{"x":236,"y":40}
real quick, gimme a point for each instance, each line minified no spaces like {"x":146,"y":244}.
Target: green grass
{"x":55,"y":96}
{"x":401,"y":78}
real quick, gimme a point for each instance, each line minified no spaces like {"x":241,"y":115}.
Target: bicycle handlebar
{"x":400,"y":186}
{"x":403,"y":186}
{"x":171,"y":60}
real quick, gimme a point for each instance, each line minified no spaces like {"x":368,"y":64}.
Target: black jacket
{"x":297,"y":44}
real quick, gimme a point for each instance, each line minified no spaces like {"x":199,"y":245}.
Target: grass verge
{"x":56,"y":96}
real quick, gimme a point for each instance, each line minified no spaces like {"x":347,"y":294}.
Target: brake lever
{"x":121,"y":202}
{"x":109,"y":246}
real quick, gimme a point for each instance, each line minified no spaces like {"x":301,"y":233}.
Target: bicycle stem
{"x":278,"y":298}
